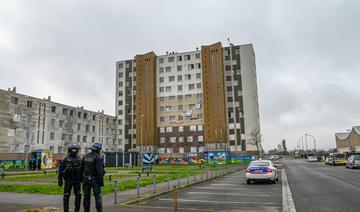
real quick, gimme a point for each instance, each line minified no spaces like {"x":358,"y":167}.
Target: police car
{"x":260,"y":170}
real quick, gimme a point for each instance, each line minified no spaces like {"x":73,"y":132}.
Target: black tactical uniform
{"x":93,"y":177}
{"x":71,"y":171}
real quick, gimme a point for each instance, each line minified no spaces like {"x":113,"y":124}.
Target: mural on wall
{"x":12,"y":164}
{"x":242,"y":159}
{"x":183,"y":161}
{"x":217,"y":157}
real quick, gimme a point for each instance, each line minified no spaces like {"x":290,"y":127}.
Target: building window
{"x":93,"y":128}
{"x":94,"y":117}
{"x":198,"y":65}
{"x":29,"y":104}
{"x":161,"y":79}
{"x":179,"y":58}
{"x":200,"y":128}
{"x":120,"y":103}
{"x":52,"y":136}
{"x":84,"y":139}
{"x":161,"y":98}
{"x":51,"y":148}
{"x":187,"y":76}
{"x":17,"y":117}
{"x":172,"y":118}
{"x":189,"y":139}
{"x":78,"y":126}
{"x":162,"y":140}
{"x":199,"y":96}
{"x":161,"y":108}
{"x":198,"y":85}
{"x":200,"y":138}
{"x":198,"y":75}
{"x":193,"y":149}
{"x":120,"y":112}
{"x":179,"y":78}
{"x":172,"y":139}
{"x":171,"y":98}
{"x":87,"y":128}
{"x":180,"y":97}
{"x":181,"y":128}
{"x":52,"y":122}
{"x":161,"y":60}
{"x":93,"y":139}
{"x":180,"y":107}
{"x":187,"y":57}
{"x":63,"y":137}
{"x":179,"y":68}
{"x":169,"y":150}
{"x":60,"y":149}
{"x":11,"y":132}
{"x":168,"y":108}
{"x":14,"y":148}
{"x":121,"y":93}
{"x":161,"y":70}
{"x":171,"y":59}
{"x":85,"y":115}
{"x":191,"y":67}
{"x":188,"y":97}
{"x":161,"y":89}
{"x":53,"y":109}
{"x":162,"y":129}
{"x":181,"y":149}
{"x":180,"y":117}
{"x":162,"y":118}
{"x":192,"y":106}
{"x":168,"y":69}
{"x":192,"y":128}
{"x":197,"y":56}
{"x":121,"y":65}
{"x":179,"y":88}
{"x":121,"y":84}
{"x":61,"y":123}
{"x":191,"y":87}
{"x":78,"y":138}
{"x":168,"y":88}
{"x":168,"y":129}
{"x":181,"y":139}
{"x":171,"y":78}
{"x":14,"y":100}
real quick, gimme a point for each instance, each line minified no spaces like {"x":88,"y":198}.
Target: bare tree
{"x":255,"y":139}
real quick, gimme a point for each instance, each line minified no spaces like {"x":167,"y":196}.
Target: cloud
{"x":306,"y":53}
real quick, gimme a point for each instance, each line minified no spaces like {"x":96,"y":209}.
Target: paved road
{"x":316,"y":187}
{"x":224,"y":194}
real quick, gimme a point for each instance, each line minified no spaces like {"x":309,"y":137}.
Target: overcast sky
{"x":307,"y":53}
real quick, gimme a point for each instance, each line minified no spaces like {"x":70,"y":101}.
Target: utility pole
{"x":314,"y":141}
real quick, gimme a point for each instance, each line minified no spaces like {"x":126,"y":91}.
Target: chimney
{"x":14,"y":89}
{"x":9,"y":89}
{"x":197,"y":48}
{"x":49,"y":98}
{"x":167,"y":53}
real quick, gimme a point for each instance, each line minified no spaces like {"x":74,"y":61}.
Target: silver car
{"x":353,"y":161}
{"x":259,"y":170}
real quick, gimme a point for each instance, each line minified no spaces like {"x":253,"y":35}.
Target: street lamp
{"x":313,"y":139}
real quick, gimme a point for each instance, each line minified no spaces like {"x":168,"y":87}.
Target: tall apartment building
{"x":50,"y":126}
{"x":188,"y":103}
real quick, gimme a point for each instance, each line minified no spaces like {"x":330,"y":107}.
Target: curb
{"x":287,"y":199}
{"x":142,"y":199}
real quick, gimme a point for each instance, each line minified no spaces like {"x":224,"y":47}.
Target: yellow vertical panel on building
{"x":146,"y":99}
{"x":214,"y":93}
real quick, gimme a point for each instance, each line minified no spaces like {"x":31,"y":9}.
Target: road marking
{"x":221,"y":184}
{"x":232,"y":194}
{"x":230,"y":188}
{"x":220,"y":202}
{"x":287,"y":200}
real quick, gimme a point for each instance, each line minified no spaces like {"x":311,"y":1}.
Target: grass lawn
{"x":158,"y":170}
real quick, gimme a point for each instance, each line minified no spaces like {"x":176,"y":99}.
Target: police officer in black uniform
{"x":71,"y":171}
{"x":93,"y":177}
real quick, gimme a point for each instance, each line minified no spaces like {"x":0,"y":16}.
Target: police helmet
{"x":96,"y":147}
{"x":73,"y":147}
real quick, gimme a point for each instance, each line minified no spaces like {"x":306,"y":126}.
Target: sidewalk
{"x":21,"y":201}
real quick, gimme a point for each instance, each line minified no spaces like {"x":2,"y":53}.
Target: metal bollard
{"x":109,"y":178}
{"x":154,"y":183}
{"x":44,"y":172}
{"x":175,"y":209}
{"x":178,"y":178}
{"x":2,"y":175}
{"x":138,"y":187}
{"x":194,"y":175}
{"x":207,"y":174}
{"x":201,"y":174}
{"x":187,"y":177}
{"x":168,"y":180}
{"x":115,"y":191}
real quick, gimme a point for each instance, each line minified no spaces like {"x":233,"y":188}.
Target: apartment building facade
{"x":29,"y":123}
{"x":187,"y":103}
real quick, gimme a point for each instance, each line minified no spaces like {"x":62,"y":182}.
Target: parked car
{"x":339,"y":159}
{"x":353,"y":162}
{"x":328,"y":160}
{"x":274,"y":157}
{"x":312,"y":158}
{"x":261,"y":170}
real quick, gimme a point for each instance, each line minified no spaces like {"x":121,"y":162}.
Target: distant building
{"x":50,"y":126}
{"x":190,"y":102}
{"x":348,"y":141}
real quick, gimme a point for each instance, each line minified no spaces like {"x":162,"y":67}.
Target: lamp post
{"x":314,"y":141}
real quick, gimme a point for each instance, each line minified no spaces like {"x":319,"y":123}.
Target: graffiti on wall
{"x":12,"y":164}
